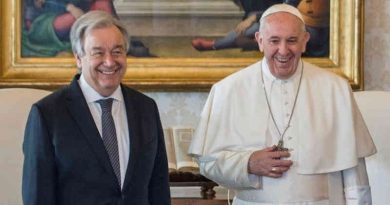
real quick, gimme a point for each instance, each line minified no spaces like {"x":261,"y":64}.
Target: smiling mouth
{"x":282,"y":59}
{"x":108,"y":72}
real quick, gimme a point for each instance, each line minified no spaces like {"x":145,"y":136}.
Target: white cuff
{"x":358,"y":195}
{"x":254,"y":181}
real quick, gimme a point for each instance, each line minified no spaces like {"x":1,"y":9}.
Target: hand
{"x":245,"y":24}
{"x":267,"y":162}
{"x":74,"y":10}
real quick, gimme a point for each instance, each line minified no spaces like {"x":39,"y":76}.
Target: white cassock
{"x":327,"y":137}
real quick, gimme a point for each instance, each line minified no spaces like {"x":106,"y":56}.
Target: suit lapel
{"x":79,"y":109}
{"x":134,"y":134}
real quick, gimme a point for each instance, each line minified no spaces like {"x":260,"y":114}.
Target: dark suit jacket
{"x":66,"y":162}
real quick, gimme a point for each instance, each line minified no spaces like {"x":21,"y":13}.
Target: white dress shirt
{"x":120,"y":119}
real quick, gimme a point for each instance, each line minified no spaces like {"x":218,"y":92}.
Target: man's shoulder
{"x":243,"y":77}
{"x":323,"y":81}
{"x":54,"y":103}
{"x":137,"y":97}
{"x":57,"y":97}
{"x":318,"y":74}
{"x":135,"y":93}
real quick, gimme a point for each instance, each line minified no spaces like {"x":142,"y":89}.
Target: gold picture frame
{"x":172,"y":74}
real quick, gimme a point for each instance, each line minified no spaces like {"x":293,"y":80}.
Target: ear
{"x":260,"y":41}
{"x":78,"y":60}
{"x":306,"y":38}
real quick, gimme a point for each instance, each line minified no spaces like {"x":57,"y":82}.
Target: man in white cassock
{"x":283,"y":131}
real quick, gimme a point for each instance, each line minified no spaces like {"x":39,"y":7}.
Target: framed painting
{"x":169,"y":44}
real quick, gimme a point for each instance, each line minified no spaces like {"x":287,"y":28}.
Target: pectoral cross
{"x":280,"y":146}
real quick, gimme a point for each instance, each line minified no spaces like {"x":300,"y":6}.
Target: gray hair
{"x":93,"y":20}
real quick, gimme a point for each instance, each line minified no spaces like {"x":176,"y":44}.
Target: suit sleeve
{"x":159,"y":193}
{"x":356,"y":186}
{"x":39,"y":173}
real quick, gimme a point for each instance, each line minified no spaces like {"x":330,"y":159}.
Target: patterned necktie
{"x":109,"y":135}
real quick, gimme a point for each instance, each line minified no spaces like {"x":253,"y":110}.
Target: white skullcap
{"x":282,"y":8}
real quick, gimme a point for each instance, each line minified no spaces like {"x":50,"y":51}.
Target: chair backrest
{"x":15,"y":104}
{"x":375,"y":108}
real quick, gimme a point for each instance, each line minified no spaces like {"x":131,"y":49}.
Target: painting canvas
{"x":46,"y":25}
{"x":175,"y":44}
{"x":227,"y":30}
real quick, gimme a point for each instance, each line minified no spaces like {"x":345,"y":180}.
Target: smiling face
{"x":104,"y":63}
{"x":283,"y":40}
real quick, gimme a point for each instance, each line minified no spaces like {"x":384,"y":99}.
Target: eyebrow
{"x":119,"y":46}
{"x":292,"y":38}
{"x":273,"y":38}
{"x":115,"y":47}
{"x":96,"y":48}
{"x":277,"y":37}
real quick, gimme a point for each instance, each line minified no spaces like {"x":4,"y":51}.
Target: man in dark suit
{"x":72,"y":156}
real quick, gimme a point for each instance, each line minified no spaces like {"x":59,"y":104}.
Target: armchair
{"x":15,"y":105}
{"x":375,"y":108}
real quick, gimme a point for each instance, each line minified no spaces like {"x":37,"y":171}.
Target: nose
{"x":109,"y":60}
{"x":283,"y":48}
